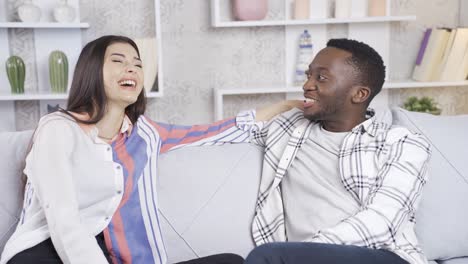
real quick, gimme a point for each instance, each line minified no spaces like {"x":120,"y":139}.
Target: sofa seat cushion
{"x":455,"y":261}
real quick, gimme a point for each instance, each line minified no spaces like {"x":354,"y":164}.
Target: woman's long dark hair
{"x":87,"y":94}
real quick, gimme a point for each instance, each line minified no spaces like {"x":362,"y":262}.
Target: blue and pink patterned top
{"x":134,"y":233}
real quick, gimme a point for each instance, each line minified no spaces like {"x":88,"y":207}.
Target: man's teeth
{"x":127,"y":82}
{"x":309,"y":100}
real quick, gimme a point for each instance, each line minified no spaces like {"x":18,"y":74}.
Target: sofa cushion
{"x":442,"y":215}
{"x":207,"y":195}
{"x":455,"y":261}
{"x":14,"y":147}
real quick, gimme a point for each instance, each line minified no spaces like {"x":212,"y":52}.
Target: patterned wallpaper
{"x":198,"y":58}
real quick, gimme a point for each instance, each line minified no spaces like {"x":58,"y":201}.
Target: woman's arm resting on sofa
{"x":231,"y":130}
{"x":268,"y":112}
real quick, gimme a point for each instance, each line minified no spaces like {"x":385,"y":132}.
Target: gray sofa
{"x":207,"y":194}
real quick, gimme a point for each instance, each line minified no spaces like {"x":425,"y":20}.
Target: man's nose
{"x":309,"y":85}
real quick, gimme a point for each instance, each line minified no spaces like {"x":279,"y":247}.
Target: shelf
{"x":407,"y":84}
{"x":47,"y":25}
{"x":263,"y":90}
{"x":27,"y":97}
{"x":51,"y":96}
{"x":312,"y":21}
{"x":415,"y":84}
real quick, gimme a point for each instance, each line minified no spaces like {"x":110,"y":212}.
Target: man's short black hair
{"x":367,"y":63}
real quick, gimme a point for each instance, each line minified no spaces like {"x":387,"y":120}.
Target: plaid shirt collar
{"x":375,"y":122}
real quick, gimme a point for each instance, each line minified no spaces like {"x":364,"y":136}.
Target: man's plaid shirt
{"x":382,"y":166}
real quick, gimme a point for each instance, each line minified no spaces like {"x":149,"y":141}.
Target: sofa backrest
{"x":207,"y":199}
{"x":442,"y":216}
{"x":14,"y":147}
{"x":206,"y":211}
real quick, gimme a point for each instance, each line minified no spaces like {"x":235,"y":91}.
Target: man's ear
{"x":360,"y":94}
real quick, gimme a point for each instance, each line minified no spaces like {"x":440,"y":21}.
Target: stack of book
{"x":443,"y":55}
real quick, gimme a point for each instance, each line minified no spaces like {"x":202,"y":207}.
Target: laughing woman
{"x":90,"y":194}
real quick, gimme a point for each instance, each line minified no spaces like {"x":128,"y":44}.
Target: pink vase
{"x":250,"y":9}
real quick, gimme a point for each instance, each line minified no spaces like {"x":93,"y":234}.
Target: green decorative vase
{"x":58,"y":71}
{"x":16,"y":72}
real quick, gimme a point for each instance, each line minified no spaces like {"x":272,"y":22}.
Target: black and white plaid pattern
{"x":382,"y":166}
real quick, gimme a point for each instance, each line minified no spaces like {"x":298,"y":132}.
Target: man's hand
{"x":268,"y":112}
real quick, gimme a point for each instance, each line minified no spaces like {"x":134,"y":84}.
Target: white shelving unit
{"x":374,"y":31}
{"x":49,"y":36}
{"x":263,"y":23}
{"x":408,"y":84}
{"x":42,"y":25}
{"x":50,"y":96}
{"x":296,"y":92}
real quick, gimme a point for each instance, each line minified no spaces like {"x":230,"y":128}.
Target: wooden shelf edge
{"x":390,"y":85}
{"x":414,"y":84}
{"x":28,"y":97}
{"x":51,"y":96}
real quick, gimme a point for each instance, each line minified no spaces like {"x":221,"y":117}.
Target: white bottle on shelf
{"x":304,"y":58}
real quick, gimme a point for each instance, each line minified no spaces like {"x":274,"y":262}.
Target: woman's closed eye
{"x":121,"y":61}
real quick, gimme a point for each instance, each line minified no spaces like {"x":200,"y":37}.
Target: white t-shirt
{"x":314,"y":197}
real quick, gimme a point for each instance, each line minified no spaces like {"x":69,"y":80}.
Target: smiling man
{"x":340,"y":183}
